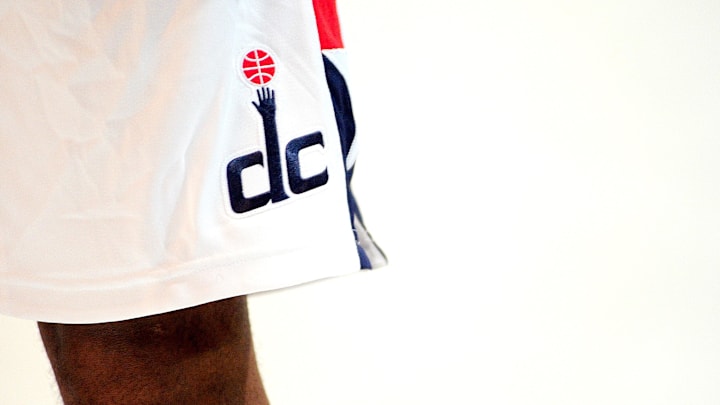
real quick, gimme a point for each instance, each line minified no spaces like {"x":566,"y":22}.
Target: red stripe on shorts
{"x":328,"y":24}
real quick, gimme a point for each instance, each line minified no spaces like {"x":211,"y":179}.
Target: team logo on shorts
{"x":258,"y":68}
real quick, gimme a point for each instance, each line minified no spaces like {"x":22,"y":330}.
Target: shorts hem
{"x":202,"y":283}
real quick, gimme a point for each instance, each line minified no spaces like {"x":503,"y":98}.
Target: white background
{"x":544,"y":176}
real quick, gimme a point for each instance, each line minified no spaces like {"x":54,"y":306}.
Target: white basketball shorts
{"x":160,"y":155}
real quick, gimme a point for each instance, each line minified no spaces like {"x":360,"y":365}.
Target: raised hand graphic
{"x":266,"y":102}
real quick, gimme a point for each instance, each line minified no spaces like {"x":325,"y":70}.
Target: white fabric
{"x":117,"y":122}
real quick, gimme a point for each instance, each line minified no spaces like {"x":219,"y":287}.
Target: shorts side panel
{"x":164,"y":155}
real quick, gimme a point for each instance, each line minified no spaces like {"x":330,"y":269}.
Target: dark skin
{"x":199,"y":355}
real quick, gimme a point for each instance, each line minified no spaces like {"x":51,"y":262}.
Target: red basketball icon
{"x":258,"y":67}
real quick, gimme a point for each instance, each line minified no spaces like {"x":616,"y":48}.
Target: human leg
{"x":199,"y":355}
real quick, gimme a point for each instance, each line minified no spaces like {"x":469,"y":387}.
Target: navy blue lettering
{"x":241,"y":203}
{"x":298,"y":184}
{"x":238,"y":201}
